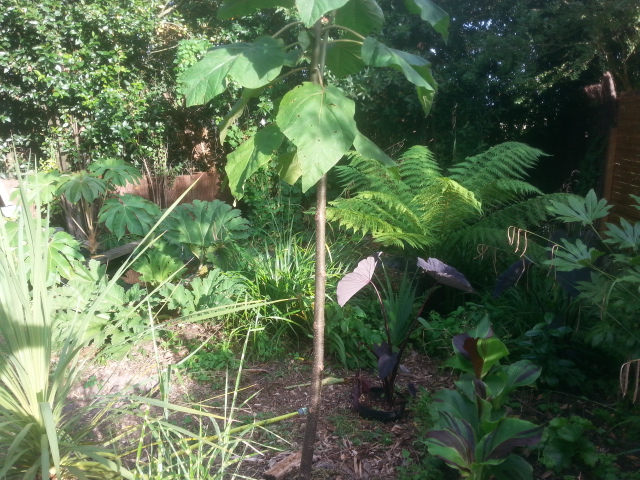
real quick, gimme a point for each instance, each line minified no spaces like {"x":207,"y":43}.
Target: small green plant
{"x":396,"y":311}
{"x":347,"y":333}
{"x":211,"y":358}
{"x":206,"y":228}
{"x":474,"y":433}
{"x":543,"y":345}
{"x":565,"y":443}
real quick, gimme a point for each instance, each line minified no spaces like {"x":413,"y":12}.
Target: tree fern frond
{"x":507,"y":161}
{"x":492,"y":229}
{"x":418,"y":166}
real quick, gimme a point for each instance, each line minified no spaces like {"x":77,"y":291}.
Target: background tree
{"x":314,"y":125}
{"x":512,"y":71}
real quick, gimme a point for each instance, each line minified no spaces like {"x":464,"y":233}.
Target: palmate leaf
{"x":319,"y":122}
{"x":204,"y":226}
{"x":573,"y":255}
{"x":81,"y":185}
{"x":64,"y":253}
{"x":250,"y":156}
{"x":355,"y":281}
{"x":624,"y":236}
{"x":115,"y":171}
{"x":240,"y":8}
{"x":312,"y":10}
{"x":416,"y":69}
{"x":363,"y":16}
{"x":584,"y":210}
{"x":251,"y":65}
{"x":129,"y":213}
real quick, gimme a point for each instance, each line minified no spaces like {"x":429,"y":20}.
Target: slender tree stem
{"x":315,"y":402}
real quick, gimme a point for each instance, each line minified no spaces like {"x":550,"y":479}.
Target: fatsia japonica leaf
{"x":363,"y":16}
{"x":430,"y":12}
{"x":416,"y":69}
{"x":250,"y":156}
{"x":625,"y":236}
{"x":129,"y":213}
{"x":443,"y":273}
{"x":115,"y":171}
{"x":312,"y":10}
{"x":241,"y":8}
{"x":81,"y":185}
{"x":319,"y":122}
{"x":355,"y":281}
{"x":251,"y":65}
{"x":584,"y":210}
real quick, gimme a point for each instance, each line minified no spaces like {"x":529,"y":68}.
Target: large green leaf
{"x":250,"y":156}
{"x":81,"y":185}
{"x":241,"y":8}
{"x":289,"y":167}
{"x":115,"y":171}
{"x":368,"y":149}
{"x":312,"y":10}
{"x":343,"y":58}
{"x":510,"y":433}
{"x":319,"y":122}
{"x":252,"y":65}
{"x":363,"y":16}
{"x":129,"y":213}
{"x":64,"y":253}
{"x":416,"y":69}
{"x":236,"y":111}
{"x":430,"y":12}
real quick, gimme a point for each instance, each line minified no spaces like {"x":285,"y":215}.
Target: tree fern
{"x":480,"y":199}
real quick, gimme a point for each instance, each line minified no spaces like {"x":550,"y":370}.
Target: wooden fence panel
{"x":622,"y":176}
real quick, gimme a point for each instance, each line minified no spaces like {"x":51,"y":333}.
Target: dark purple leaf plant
{"x":389,"y":353}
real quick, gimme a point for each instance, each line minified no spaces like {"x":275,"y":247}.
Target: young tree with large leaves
{"x":314,"y":125}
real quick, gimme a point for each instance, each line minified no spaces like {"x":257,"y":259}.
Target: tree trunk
{"x":320,"y":279}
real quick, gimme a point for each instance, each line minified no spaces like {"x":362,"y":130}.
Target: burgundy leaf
{"x":445,"y":274}
{"x":471,"y":347}
{"x":353,"y":282}
{"x":458,"y":344}
{"x":387,"y":359}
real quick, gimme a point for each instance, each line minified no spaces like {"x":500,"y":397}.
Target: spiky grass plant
{"x":41,"y":434}
{"x":36,"y":375}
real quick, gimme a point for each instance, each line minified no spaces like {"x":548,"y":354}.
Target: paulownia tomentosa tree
{"x":314,"y":125}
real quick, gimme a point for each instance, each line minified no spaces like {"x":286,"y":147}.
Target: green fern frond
{"x":507,"y":161}
{"x":476,"y":204}
{"x":418,"y":167}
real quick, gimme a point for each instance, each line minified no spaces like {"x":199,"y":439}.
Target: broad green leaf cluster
{"x":314,"y":125}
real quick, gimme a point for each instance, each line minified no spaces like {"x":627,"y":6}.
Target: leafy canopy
{"x":314,"y":125}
